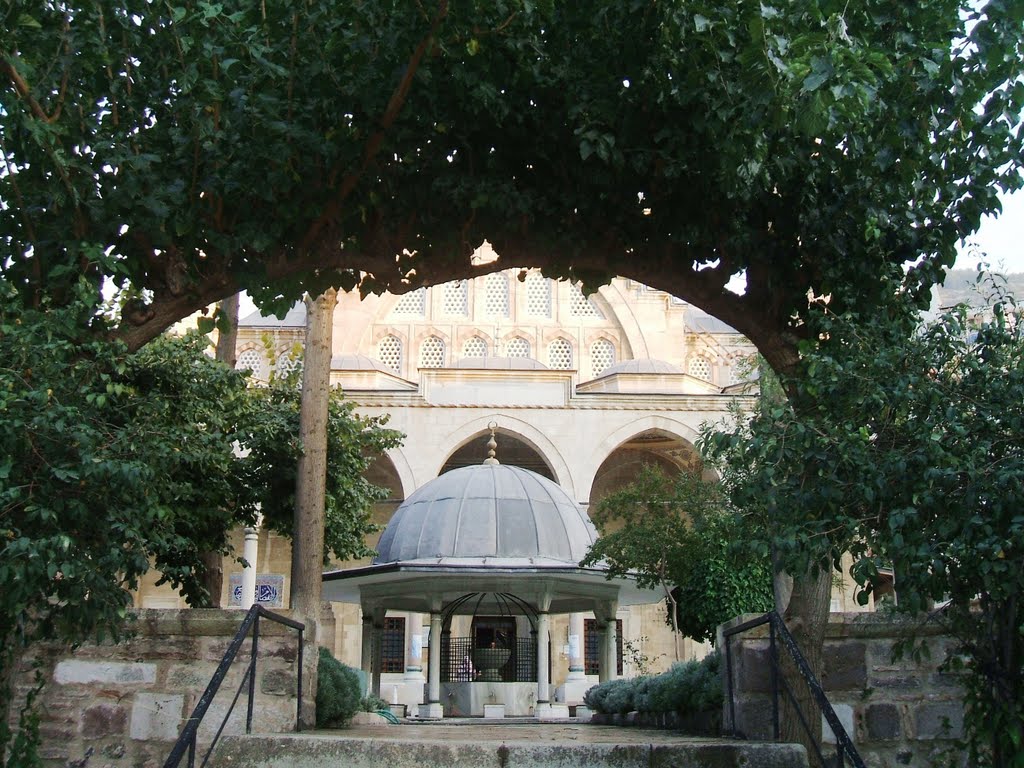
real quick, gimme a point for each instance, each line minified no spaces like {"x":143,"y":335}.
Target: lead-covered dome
{"x":488,"y":511}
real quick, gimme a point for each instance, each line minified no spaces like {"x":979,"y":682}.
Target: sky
{"x":1001,"y":239}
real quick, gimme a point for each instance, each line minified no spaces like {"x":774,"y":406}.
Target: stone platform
{"x":502,"y":744}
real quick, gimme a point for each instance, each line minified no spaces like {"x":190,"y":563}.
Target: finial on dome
{"x":492,"y":444}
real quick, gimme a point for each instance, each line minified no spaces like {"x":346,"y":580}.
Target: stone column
{"x":543,"y":684}
{"x":250,"y":551}
{"x":571,"y":692}
{"x":413,"y":682}
{"x":366,"y":647}
{"x":604,"y":613}
{"x":434,"y":709}
{"x":378,"y":650}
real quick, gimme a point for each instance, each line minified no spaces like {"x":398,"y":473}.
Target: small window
{"x":518,"y":347}
{"x":475,"y":347}
{"x":456,"y":298}
{"x":538,"y":295}
{"x":253,"y":360}
{"x":602,"y":355}
{"x":591,"y":644}
{"x":432,"y":353}
{"x":580,"y":305}
{"x":700,"y":368}
{"x":389,"y":352}
{"x":413,"y":303}
{"x":288,"y":362}
{"x":392,"y":645}
{"x":496,"y":294}
{"x":560,"y":355}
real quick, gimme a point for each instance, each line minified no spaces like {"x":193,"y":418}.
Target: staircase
{"x":501,"y":746}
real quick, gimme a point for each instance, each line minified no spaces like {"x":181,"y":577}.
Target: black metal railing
{"x":186,"y":743}
{"x":457,"y":661}
{"x":781,"y":685}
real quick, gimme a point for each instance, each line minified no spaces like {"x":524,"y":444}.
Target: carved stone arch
{"x":517,"y":428}
{"x":658,"y":439}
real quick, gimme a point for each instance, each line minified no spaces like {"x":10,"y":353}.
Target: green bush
{"x":687,"y":688}
{"x":372,"y":703}
{"x":338,"y":692}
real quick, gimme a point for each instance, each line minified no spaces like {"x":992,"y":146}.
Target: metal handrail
{"x":187,"y":740}
{"x":780,"y":635}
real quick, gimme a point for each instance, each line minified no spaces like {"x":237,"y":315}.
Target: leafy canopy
{"x":205,"y":147}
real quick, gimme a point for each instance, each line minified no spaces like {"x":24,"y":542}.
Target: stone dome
{"x":358,"y":363}
{"x":496,"y":512}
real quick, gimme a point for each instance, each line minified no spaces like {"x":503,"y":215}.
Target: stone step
{"x":474,"y":750}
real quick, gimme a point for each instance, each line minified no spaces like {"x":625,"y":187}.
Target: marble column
{"x":434,"y":709}
{"x":366,"y":647}
{"x":378,"y":651}
{"x":543,"y":646}
{"x":250,"y":551}
{"x":413,"y":683}
{"x":576,"y":684}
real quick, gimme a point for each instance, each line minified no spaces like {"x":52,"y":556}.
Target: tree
{"x":915,"y":461}
{"x":676,"y":534}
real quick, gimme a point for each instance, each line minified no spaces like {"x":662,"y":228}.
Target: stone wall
{"x":897,"y":713}
{"x":125,"y":704}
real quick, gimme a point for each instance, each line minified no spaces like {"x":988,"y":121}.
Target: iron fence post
{"x":774,"y":657}
{"x":728,"y":682}
{"x":252,"y":673}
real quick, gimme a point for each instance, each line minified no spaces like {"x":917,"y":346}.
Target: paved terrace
{"x":508,"y":743}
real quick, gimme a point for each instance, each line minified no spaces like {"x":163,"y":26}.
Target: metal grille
{"x":432,"y":353}
{"x":474,"y":347}
{"x":560,"y":355}
{"x":389,"y":352}
{"x":412,"y":303}
{"x":538,"y":295}
{"x":700,"y":367}
{"x":392,"y":645}
{"x":518,"y":347}
{"x":456,"y":298}
{"x":580,"y":305}
{"x":602,"y":354}
{"x":591,"y":647}
{"x":457,"y":661}
{"x":496,"y":297}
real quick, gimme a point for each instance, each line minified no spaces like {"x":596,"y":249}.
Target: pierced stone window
{"x":253,"y":360}
{"x":456,"y":298}
{"x":412,"y":303}
{"x":560,"y":355}
{"x":538,"y":295}
{"x":700,"y":367}
{"x":288,"y":362}
{"x":518,"y":347}
{"x":496,"y":294}
{"x":432,"y":353}
{"x":582,"y":306}
{"x":602,"y":354}
{"x":475,"y":347}
{"x":389,"y":352}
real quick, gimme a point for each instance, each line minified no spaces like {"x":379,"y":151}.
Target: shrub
{"x":687,"y":688}
{"x":338,"y":692}
{"x":372,"y":703}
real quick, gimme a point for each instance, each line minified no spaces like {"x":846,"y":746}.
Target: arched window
{"x":456,"y":298}
{"x":432,"y":353}
{"x":699,"y":367}
{"x":580,"y":305}
{"x":560,"y":355}
{"x":474,"y":347}
{"x":389,"y":352}
{"x":538,"y":295}
{"x":253,"y":360}
{"x":496,"y":294}
{"x":412,"y":303}
{"x":288,"y":361}
{"x":518,"y":347}
{"x":602,"y":354}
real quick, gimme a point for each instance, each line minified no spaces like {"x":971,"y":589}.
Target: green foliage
{"x":680,"y":535}
{"x":687,"y":688}
{"x":372,"y":703}
{"x":338,"y":692}
{"x":203,"y":150}
{"x":904,"y":447}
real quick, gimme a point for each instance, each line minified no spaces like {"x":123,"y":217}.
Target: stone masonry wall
{"x":898,"y":713}
{"x":124,"y":705}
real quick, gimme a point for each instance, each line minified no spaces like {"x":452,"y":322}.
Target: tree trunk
{"x":806,"y":618}
{"x":311,"y":480}
{"x":213,"y":562}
